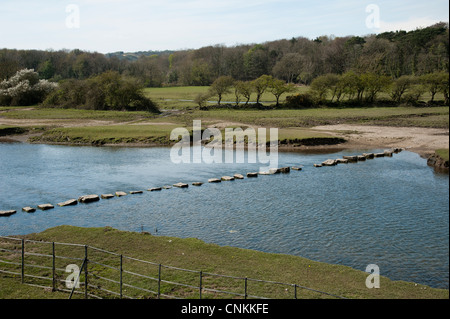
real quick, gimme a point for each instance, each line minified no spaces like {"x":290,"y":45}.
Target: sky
{"x":137,"y":25}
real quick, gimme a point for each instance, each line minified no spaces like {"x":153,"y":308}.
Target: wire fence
{"x":91,"y":272}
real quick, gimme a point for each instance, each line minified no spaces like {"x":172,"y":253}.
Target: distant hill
{"x":133,"y":56}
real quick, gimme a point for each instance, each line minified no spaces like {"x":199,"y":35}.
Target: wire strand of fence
{"x":21,"y":251}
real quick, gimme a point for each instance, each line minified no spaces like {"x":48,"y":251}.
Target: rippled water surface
{"x":393,"y":212}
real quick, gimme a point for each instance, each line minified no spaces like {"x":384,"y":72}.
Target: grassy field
{"x":196,"y":255}
{"x":443,"y":153}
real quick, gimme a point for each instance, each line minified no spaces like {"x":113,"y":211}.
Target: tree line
{"x":297,"y":60}
{"x":333,"y":89}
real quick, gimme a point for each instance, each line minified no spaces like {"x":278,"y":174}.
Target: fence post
{"x":121,"y":282}
{"x":295,"y":291}
{"x":23,"y":260}
{"x":245,"y":293}
{"x":200,"y":286}
{"x":86,"y":272}
{"x":159,"y":281}
{"x":53,"y":267}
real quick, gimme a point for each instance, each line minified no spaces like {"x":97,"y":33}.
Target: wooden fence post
{"x":23,"y":260}
{"x":86,"y":272}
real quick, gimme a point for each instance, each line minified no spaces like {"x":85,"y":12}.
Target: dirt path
{"x":420,"y":140}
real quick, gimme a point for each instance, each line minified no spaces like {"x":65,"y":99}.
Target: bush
{"x":25,"y":88}
{"x":108,"y":91}
{"x":299,"y":101}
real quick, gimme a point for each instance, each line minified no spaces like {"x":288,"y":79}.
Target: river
{"x":392,"y":212}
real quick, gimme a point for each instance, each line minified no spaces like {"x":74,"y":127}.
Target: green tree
{"x":279,"y":87}
{"x":260,"y":86}
{"x":400,"y":86}
{"x":221,"y":86}
{"x":244,"y":88}
{"x":321,"y":86}
{"x":374,"y":84}
{"x":432,"y":83}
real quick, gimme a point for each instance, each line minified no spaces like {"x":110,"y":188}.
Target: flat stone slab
{"x":285,"y":170}
{"x":29,"y":209}
{"x":379,"y":154}
{"x":89,"y":199}
{"x":227,"y":178}
{"x":329,"y":162}
{"x":369,"y":155}
{"x":238,"y":176}
{"x":351,"y":159}
{"x":46,"y":206}
{"x":155,"y":189}
{"x":317,"y":165}
{"x":197,"y":183}
{"x":107,"y":196}
{"x":70,"y":202}
{"x":274,"y":171}
{"x":342,"y":161}
{"x":136,"y":192}
{"x":214,"y":180}
{"x":295,"y":168}
{"x":181,"y":185}
{"x":252,"y":174}
{"x":6,"y":213}
{"x":167,"y":187}
{"x":120,"y":194}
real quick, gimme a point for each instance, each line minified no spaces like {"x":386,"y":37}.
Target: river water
{"x":392,"y":212}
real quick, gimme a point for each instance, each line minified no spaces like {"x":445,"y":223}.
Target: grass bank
{"x":196,"y":255}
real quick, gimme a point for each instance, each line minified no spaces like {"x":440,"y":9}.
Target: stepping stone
{"x":295,"y":168}
{"x":362,"y":158}
{"x":167,"y":187}
{"x":238,"y":176}
{"x":214,"y":180}
{"x":369,"y":155}
{"x":285,"y":170}
{"x":155,"y":189}
{"x":379,"y":155}
{"x":46,"y":206}
{"x":29,"y":209}
{"x":252,"y":174}
{"x":197,"y":184}
{"x":120,"y":194}
{"x":70,"y":202}
{"x":227,"y":178}
{"x":329,"y":162}
{"x":342,"y":161}
{"x":181,"y":185}
{"x":351,"y":159}
{"x":136,"y":192}
{"x":274,"y":171}
{"x":107,"y":196}
{"x":317,"y":165}
{"x":6,"y":213}
{"x":89,"y":199}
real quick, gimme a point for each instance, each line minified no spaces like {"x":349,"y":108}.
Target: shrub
{"x":299,"y":101}
{"x":25,"y":88}
{"x":107,"y":91}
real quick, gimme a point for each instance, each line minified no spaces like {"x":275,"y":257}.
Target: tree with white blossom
{"x":25,"y":88}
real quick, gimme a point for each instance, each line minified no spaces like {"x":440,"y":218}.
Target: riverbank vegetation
{"x":199,"y":256}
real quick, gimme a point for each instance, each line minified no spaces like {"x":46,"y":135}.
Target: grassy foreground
{"x":196,"y":255}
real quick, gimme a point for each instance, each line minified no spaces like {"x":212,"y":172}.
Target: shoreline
{"x":422,"y":141}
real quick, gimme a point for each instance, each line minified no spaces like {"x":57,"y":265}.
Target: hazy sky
{"x":138,"y":25}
